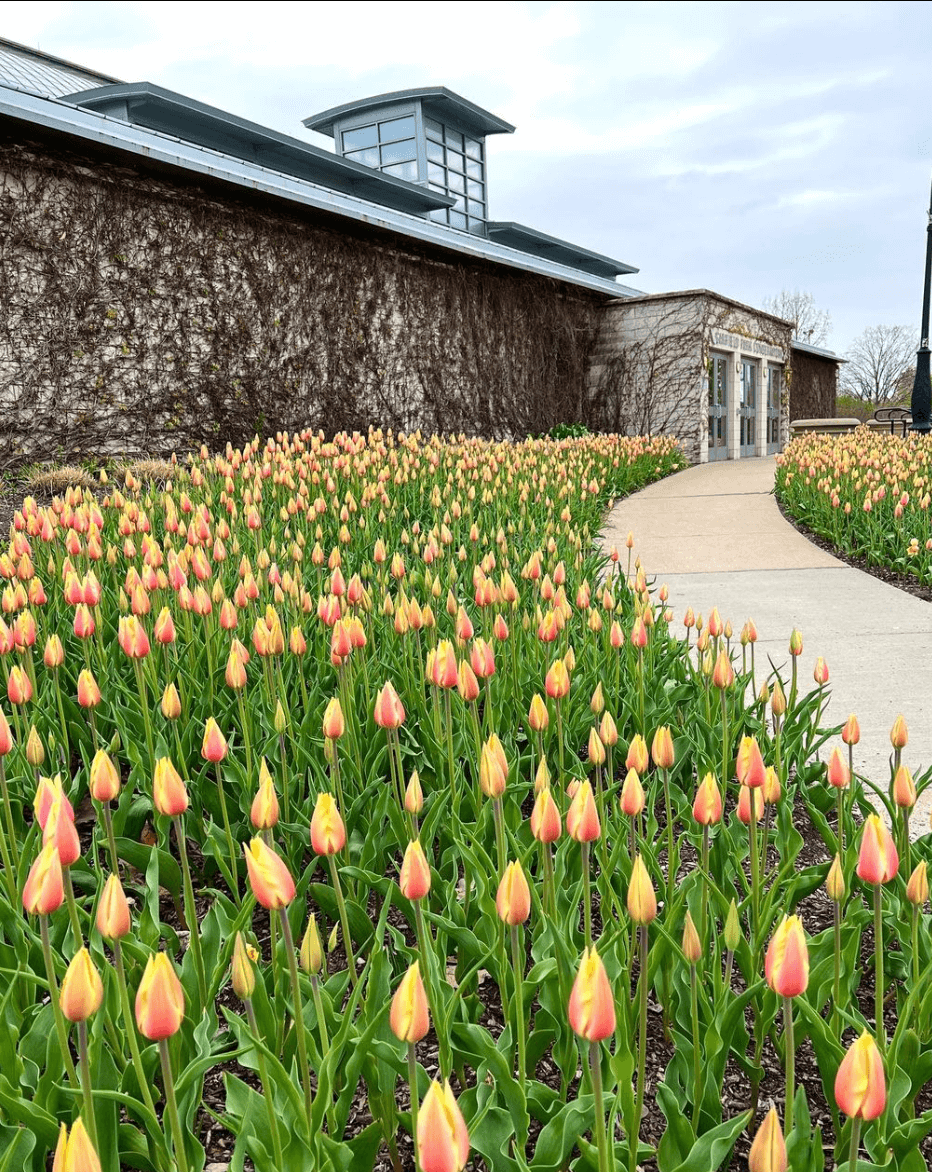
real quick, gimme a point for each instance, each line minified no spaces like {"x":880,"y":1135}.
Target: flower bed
{"x":356,"y":801}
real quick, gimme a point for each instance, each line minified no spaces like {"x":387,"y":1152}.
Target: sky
{"x":745,"y":148}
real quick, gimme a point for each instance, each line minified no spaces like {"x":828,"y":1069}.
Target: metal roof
{"x":437,"y":101}
{"x":162,"y":147}
{"x":151,"y":106}
{"x":40,"y":73}
{"x":816,"y":351}
{"x":539,"y":244}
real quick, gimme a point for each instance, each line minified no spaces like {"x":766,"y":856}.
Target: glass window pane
{"x":473,"y":148}
{"x":436,"y":175}
{"x":477,"y":227}
{"x":455,"y":160}
{"x":460,"y":204}
{"x":396,"y":128}
{"x":457,"y":220}
{"x":452,"y":138}
{"x":475,"y":208}
{"x":441,"y":187}
{"x":433,"y":129}
{"x":398,"y":152}
{"x":362,"y":136}
{"x":438,"y":215}
{"x":475,"y":190}
{"x":403,"y":170}
{"x":474,"y":170}
{"x":455,"y":182}
{"x":434,"y":151}
{"x":370,"y":156}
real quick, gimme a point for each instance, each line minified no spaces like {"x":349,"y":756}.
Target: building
{"x":172,"y":273}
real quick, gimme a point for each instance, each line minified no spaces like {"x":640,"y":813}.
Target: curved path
{"x":714,"y":534}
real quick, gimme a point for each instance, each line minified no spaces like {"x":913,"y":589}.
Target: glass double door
{"x":747,"y":410}
{"x":718,"y":407}
{"x":774,"y":387}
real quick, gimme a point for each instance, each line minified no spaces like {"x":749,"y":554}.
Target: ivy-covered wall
{"x":143,"y":312}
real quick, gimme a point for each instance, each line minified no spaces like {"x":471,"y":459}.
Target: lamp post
{"x":922,"y":388}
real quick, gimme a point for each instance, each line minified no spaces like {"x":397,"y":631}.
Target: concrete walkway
{"x":714,"y":534}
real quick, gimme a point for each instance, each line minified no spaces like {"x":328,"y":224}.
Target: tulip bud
{"x":878,"y":861}
{"x":723,"y":674}
{"x":492,"y":775}
{"x":169,"y":794}
{"x":328,"y":834}
{"x":113,"y":918}
{"x":692,"y":947}
{"x":637,"y":757}
{"x":6,"y":735}
{"x":409,"y":1016}
{"x":214,"y":745}
{"x":851,"y":733}
{"x":591,"y":1009}
{"x":917,"y":889}
{"x":414,"y":877}
{"x":661,"y":749}
{"x":389,"y":711}
{"x":82,"y":990}
{"x":88,"y":691}
{"x":545,"y":818}
{"x":263,"y":813}
{"x":582,"y":818}
{"x":60,"y":830}
{"x":837,"y":772}
{"x":778,"y":699}
{"x":171,"y":703}
{"x":749,"y":767}
{"x":786,"y":966}
{"x":35,"y":753}
{"x":860,"y":1085}
{"x":768,"y":1151}
{"x":608,"y":732}
{"x":597,"y":703}
{"x":904,"y":789}
{"x":312,"y":953}
{"x":414,"y":795}
{"x":820,"y":673}
{"x":542,"y":776}
{"x":771,"y":789}
{"x":596,"y":748}
{"x":632,"y":794}
{"x":899,"y":734}
{"x":242,"y":972}
{"x":707,"y":808}
{"x":75,"y":1152}
{"x":796,"y":642}
{"x":159,"y":1000}
{"x":538,"y":716}
{"x":835,"y":881}
{"x":732,"y":933}
{"x":642,"y":902}
{"x":104,"y":780}
{"x":44,"y":891}
{"x":557,"y":680}
{"x":513,"y":900}
{"x":746,"y":795}
{"x":269,"y":877}
{"x":442,"y":1138}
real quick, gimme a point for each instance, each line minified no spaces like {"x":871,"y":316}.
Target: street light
{"x":922,"y":388}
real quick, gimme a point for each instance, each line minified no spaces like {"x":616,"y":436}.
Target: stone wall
{"x":142,"y":311}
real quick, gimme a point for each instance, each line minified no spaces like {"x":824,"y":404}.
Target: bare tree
{"x":876,"y":362}
{"x":810,"y":325}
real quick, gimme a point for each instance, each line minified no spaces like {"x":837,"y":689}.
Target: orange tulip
{"x":692,"y":946}
{"x":860,"y":1085}
{"x":835,"y":881}
{"x":492,"y":772}
{"x":414,"y":794}
{"x":113,"y":917}
{"x":796,"y":642}
{"x":545,"y":817}
{"x":851,"y":733}
{"x":214,"y":745}
{"x":82,"y":990}
{"x":263,"y":813}
{"x":328,"y":834}
{"x":513,"y":899}
{"x":637,"y":757}
{"x":169,"y":794}
{"x":389,"y":711}
{"x":88,"y":691}
{"x":749,"y":767}
{"x":269,"y":877}
{"x":707,"y":808}
{"x":768,"y":1151}
{"x":820,"y":673}
{"x":557,"y":680}
{"x":60,"y":830}
{"x":642,"y":902}
{"x":582,"y":818}
{"x":591,"y":1010}
{"x":44,"y":891}
{"x":837,"y":772}
{"x":904,"y":789}
{"x":242,"y":972}
{"x":899,"y":734}
{"x":409,"y":1016}
{"x":442,"y":1138}
{"x":414,"y":877}
{"x":786,"y":966}
{"x":878,"y":861}
{"x":744,"y":804}
{"x":159,"y":1000}
{"x":661,"y":749}
{"x":75,"y":1152}
{"x":171,"y":703}
{"x":723,"y":674}
{"x":917,"y":889}
{"x":632,"y":794}
{"x":333,"y":724}
{"x":538,"y":716}
{"x":104,"y":780}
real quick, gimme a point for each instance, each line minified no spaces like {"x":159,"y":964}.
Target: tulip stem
{"x":755,"y":873}
{"x":550,"y":901}
{"x":190,"y":911}
{"x":111,"y":840}
{"x":841,"y":823}
{"x":726,"y":755}
{"x":451,"y":767}
{"x":86,"y":1091}
{"x":915,"y":940}
{"x":245,"y":726}
{"x":855,"y":1143}
{"x":171,"y":1104}
{"x":130,"y":1028}
{"x":668,"y":809}
{"x":229,"y":835}
{"x":8,"y":847}
{"x":704,"y":892}
{"x":517,"y":960}
{"x":606,"y":1163}
{"x":642,"y":1045}
{"x":344,"y":921}
{"x":412,"y":1084}
{"x":144,"y":706}
{"x":837,"y":987}
{"x":790,"y":1062}
{"x":266,"y":1087}
{"x":499,"y":833}
{"x":587,"y":897}
{"x":300,"y":1039}
{"x":427,"y":956}
{"x":72,"y":908}
{"x":697,"y":1056}
{"x":319,"y":1010}
{"x":878,"y":972}
{"x":60,"y":1027}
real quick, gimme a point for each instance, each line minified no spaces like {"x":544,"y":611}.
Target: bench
{"x":899,"y":418}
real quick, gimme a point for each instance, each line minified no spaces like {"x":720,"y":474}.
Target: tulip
{"x":214,"y":745}
{"x":768,"y":1151}
{"x":787,"y":962}
{"x":838,"y":775}
{"x":269,"y":877}
{"x":159,"y":1000}
{"x":860,"y":1087}
{"x":60,"y":830}
{"x":545,"y":818}
{"x":88,"y":691}
{"x":44,"y":891}
{"x":333,"y":723}
{"x":707,"y":807}
{"x":389,"y":711}
{"x":442,"y":1138}
{"x":513,"y":900}
{"x":661,"y":749}
{"x":414,"y":877}
{"x":637,"y":757}
{"x":744,"y":804}
{"x":632,"y":797}
{"x":171,"y":703}
{"x":35,"y":753}
{"x":917,"y":892}
{"x":312,"y":954}
{"x":242,"y":970}
{"x":723,"y":674}
{"x":904,"y":789}
{"x":409,"y":1016}
{"x":328,"y":834}
{"x":899,"y":734}
{"x":263,"y":813}
{"x":878,"y":861}
{"x":75,"y":1152}
{"x":538,"y":717}
{"x":492,"y":775}
{"x":414,"y":795}
{"x":591,"y":1009}
{"x":113,"y":915}
{"x":82,"y":990}
{"x":104,"y":778}
{"x":557,"y":680}
{"x":169,"y":795}
{"x":642,"y":902}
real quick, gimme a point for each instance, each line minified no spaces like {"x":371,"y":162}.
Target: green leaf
{"x":710,"y":1149}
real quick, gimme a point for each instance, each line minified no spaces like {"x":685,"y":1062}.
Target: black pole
{"x":922,"y":387}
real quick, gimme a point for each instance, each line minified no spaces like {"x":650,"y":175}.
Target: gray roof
{"x":40,"y":73}
{"x":437,"y":101}
{"x":816,"y":351}
{"x":539,"y":244}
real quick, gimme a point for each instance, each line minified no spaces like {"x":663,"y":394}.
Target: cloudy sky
{"x":742,"y":147}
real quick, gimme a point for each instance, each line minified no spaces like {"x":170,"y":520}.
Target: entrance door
{"x":718,"y":407}
{"x":747,"y":410}
{"x":774,"y":386}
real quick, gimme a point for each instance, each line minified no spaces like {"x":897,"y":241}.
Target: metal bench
{"x":899,"y":418}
